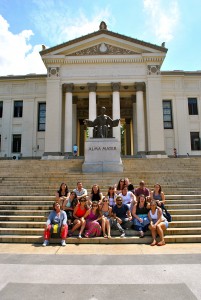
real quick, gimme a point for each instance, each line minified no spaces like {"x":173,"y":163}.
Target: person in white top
{"x":128,"y":197}
{"x":158,"y":223}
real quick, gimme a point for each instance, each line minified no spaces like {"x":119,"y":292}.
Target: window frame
{"x":192,"y":107}
{"x":40,"y":117}
{"x":167,"y":114}
{"x":20,"y":146}
{"x":17,"y":110}
{"x":1,"y":109}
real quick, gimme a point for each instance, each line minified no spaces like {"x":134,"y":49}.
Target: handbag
{"x":166,"y":214}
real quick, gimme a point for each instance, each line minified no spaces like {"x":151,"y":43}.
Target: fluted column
{"x":68,"y":144}
{"x":92,"y":104}
{"x":116,"y":108}
{"x":140,"y":118}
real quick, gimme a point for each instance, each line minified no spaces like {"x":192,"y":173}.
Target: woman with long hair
{"x":158,"y":195}
{"x":140,"y":213}
{"x":93,"y":216}
{"x":95,"y":195}
{"x":62,"y":193}
{"x":111,"y":195}
{"x":106,"y":212}
{"x":79,"y":214}
{"x":120,"y":186}
{"x":158,"y":223}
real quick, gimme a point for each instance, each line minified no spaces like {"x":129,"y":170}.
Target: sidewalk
{"x":100,"y":249}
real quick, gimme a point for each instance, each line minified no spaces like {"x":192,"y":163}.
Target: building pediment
{"x":102,"y":43}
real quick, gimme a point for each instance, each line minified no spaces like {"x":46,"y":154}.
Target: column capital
{"x":115,"y":86}
{"x":68,"y":87}
{"x":140,"y":86}
{"x":92,"y":86}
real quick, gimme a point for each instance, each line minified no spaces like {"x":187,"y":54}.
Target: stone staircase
{"x":27,"y":188}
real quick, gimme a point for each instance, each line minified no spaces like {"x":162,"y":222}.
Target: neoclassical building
{"x":44,"y":115}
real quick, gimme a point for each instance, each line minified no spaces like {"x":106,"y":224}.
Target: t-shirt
{"x":140,"y":191}
{"x":80,"y":193}
{"x":121,"y":212}
{"x":75,"y":148}
{"x":126,"y":198}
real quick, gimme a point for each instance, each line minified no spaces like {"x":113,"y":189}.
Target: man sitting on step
{"x":80,"y":191}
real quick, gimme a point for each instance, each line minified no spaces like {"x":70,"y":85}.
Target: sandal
{"x":153,"y":243}
{"x":109,"y":237}
{"x":141,"y":234}
{"x":105,"y":236}
{"x":161,"y":243}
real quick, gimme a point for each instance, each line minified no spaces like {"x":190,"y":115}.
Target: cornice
{"x":103,"y":60}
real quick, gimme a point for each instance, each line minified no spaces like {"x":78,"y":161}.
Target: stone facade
{"x":101,"y":69}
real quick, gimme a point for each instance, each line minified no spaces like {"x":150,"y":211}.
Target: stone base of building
{"x":102,"y":155}
{"x":53,"y":157}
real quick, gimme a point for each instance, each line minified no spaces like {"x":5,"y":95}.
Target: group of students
{"x":124,"y":207}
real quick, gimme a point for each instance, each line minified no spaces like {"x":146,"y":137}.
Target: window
{"x":1,"y":109}
{"x":192,"y":106}
{"x":16,"y":143}
{"x":18,"y":109}
{"x":195,"y":141}
{"x":167,"y":114}
{"x":41,"y":116}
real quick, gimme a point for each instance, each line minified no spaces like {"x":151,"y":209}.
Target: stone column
{"x":68,"y":132}
{"x":92,"y":105}
{"x":140,"y":118}
{"x":116,"y":108}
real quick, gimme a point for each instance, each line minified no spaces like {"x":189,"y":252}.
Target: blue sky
{"x":27,"y":24}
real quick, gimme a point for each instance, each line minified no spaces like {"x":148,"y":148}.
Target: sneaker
{"x":63,"y":243}
{"x":45,"y":243}
{"x":79,"y":236}
{"x":123,"y":235}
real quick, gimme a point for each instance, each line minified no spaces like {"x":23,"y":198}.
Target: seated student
{"x":141,"y":190}
{"x":158,"y":195}
{"x":57,"y":221}
{"x":128,"y":197}
{"x":93,"y":217}
{"x":158,"y":223}
{"x":111,"y":196}
{"x":140,"y":213}
{"x":69,"y":205}
{"x":119,"y":186}
{"x":79,"y":215}
{"x":121,"y":216}
{"x":62,"y":193}
{"x":95,"y":195}
{"x":80,"y":191}
{"x":106,"y":212}
{"x":129,"y":185}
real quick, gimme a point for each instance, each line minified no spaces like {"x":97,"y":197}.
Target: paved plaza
{"x":100,"y":272}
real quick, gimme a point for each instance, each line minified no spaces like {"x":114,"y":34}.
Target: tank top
{"x":80,"y":212}
{"x":91,"y":216}
{"x":95,"y":197}
{"x":142,"y":210}
{"x":61,"y":194}
{"x":105,"y":213}
{"x":155,"y":215}
{"x":157,"y":197}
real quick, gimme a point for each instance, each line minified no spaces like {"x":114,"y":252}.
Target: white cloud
{"x":17,"y":55}
{"x":162,"y":19}
{"x":58,"y":23}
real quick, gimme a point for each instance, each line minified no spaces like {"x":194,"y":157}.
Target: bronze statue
{"x":102,"y":125}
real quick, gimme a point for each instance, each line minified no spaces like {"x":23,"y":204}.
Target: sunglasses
{"x":105,"y":200}
{"x":119,"y":200}
{"x":83,"y":200}
{"x":95,"y":205}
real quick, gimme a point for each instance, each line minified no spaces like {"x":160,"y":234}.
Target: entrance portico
{"x":104,"y":69}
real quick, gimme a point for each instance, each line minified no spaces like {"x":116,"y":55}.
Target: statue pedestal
{"x":102,"y":155}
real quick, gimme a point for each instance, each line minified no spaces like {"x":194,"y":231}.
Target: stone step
{"x":187,"y":224}
{"x":182,"y":206}
{"x":25,"y":207}
{"x":114,"y":240}
{"x":25,"y":212}
{"x":185,"y":211}
{"x":24,"y":224}
{"x":27,"y":218}
{"x":192,"y":217}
